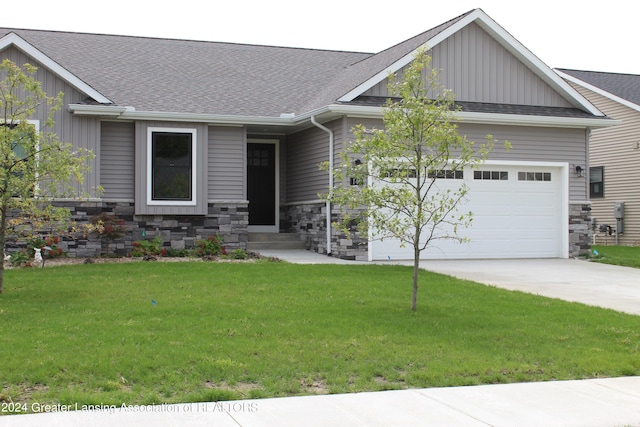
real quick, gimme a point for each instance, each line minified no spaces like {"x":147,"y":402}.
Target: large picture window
{"x":171,"y":166}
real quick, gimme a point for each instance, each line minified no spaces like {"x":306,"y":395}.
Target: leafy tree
{"x":34,"y":165}
{"x":389,"y":176}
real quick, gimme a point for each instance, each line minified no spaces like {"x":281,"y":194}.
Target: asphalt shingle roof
{"x":625,"y":86}
{"x":168,"y":75}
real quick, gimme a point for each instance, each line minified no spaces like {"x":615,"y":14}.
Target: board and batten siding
{"x":616,"y":149}
{"x":476,"y":68}
{"x":305,"y":151}
{"x":81,"y":132}
{"x":200,"y":157}
{"x":117,"y":160}
{"x":226,"y":166}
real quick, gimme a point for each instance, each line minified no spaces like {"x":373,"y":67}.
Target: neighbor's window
{"x":171,"y":166}
{"x":596,"y":181}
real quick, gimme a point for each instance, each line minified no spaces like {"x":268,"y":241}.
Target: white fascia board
{"x":541,"y":69}
{"x":510,"y":43}
{"x":528,"y":120}
{"x":599,"y":91}
{"x":50,"y":64}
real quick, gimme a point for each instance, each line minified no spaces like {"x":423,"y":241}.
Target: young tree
{"x":396,"y":169}
{"x":34,"y":165}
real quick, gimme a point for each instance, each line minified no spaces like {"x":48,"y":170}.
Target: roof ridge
{"x":597,"y":72}
{"x":173,"y":39}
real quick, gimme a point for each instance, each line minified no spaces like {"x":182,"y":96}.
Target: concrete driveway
{"x":587,"y":282}
{"x":602,"y":285}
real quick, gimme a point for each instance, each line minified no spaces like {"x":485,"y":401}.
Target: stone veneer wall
{"x":579,"y":229}
{"x":309,"y":221}
{"x":228,"y":220}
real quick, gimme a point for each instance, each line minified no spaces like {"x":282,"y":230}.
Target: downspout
{"x":330,"y":132}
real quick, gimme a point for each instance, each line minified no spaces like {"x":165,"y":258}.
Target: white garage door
{"x":517,"y":213}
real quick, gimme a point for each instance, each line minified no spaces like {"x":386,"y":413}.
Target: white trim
{"x":50,"y":64}
{"x":194,"y":163}
{"x":275,"y":228}
{"x":598,"y":90}
{"x":504,"y":38}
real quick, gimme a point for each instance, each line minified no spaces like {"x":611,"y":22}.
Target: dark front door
{"x":261,"y":184}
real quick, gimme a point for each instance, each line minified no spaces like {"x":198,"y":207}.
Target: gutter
{"x":331,"y":149}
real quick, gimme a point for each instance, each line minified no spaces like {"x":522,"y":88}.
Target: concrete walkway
{"x":603,"y":402}
{"x":598,"y":402}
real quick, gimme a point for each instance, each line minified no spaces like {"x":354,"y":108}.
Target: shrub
{"x":40,"y":242}
{"x":109,"y":227}
{"x":211,"y":246}
{"x":238,"y":254}
{"x":148,"y":247}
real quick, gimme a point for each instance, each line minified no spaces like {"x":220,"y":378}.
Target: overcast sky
{"x":585,"y":35}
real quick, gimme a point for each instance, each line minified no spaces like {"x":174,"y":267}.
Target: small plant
{"x":21,"y":258}
{"x":50,"y":242}
{"x":238,"y":254}
{"x":108,"y":227}
{"x":212,"y":246}
{"x":143,"y":248}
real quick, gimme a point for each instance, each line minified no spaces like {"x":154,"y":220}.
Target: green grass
{"x":90,"y":334}
{"x":628,"y":256}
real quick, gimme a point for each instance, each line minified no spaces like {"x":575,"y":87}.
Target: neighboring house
{"x":197,"y":138}
{"x":614,"y":153}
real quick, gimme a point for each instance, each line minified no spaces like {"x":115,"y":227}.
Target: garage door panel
{"x":511,"y":219}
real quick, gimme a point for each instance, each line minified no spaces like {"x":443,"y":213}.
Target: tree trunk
{"x":416,"y":270}
{"x":3,"y":235}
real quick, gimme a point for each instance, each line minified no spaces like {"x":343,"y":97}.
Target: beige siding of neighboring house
{"x":117,"y":161}
{"x":226,"y":168}
{"x":616,"y":149}
{"x":477,"y":68}
{"x":305,"y":151}
{"x":84,"y":132}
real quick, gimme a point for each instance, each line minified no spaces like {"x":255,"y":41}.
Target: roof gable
{"x":12,"y":39}
{"x":405,"y":52}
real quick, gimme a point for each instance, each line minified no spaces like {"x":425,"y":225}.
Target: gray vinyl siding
{"x":305,"y":151}
{"x":226,"y":167}
{"x":117,"y":160}
{"x":537,"y":144}
{"x":615,"y":149}
{"x":530,"y":143}
{"x":477,"y":68}
{"x":200,"y":157}
{"x":82,"y":132}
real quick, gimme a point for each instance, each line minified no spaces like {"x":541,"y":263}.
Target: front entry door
{"x":261,"y":186}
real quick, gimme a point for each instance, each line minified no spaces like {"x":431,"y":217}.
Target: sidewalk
{"x":602,"y":402}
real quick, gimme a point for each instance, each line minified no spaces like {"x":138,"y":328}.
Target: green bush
{"x":148,"y":247}
{"x":238,"y":254}
{"x":211,"y":246}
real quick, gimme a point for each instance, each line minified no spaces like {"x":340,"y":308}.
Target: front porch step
{"x":258,"y":241}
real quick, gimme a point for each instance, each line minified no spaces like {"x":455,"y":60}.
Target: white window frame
{"x":194,"y":162}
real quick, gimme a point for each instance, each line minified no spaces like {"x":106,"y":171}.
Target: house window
{"x":447,"y":174}
{"x":596,"y":181}
{"x":491,"y":175}
{"x":171,"y":166}
{"x":534,"y":176}
{"x":24,"y":146}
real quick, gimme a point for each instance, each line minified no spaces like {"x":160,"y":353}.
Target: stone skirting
{"x":579,"y":229}
{"x":228,"y":220}
{"x":309,"y":221}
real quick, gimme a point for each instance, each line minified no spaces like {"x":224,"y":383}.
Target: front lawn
{"x":145,"y":333}
{"x":628,"y":256}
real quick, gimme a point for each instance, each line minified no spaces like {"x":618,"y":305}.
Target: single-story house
{"x":195,"y":138}
{"x":614,"y":154}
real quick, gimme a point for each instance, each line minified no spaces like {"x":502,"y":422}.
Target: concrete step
{"x":258,"y":241}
